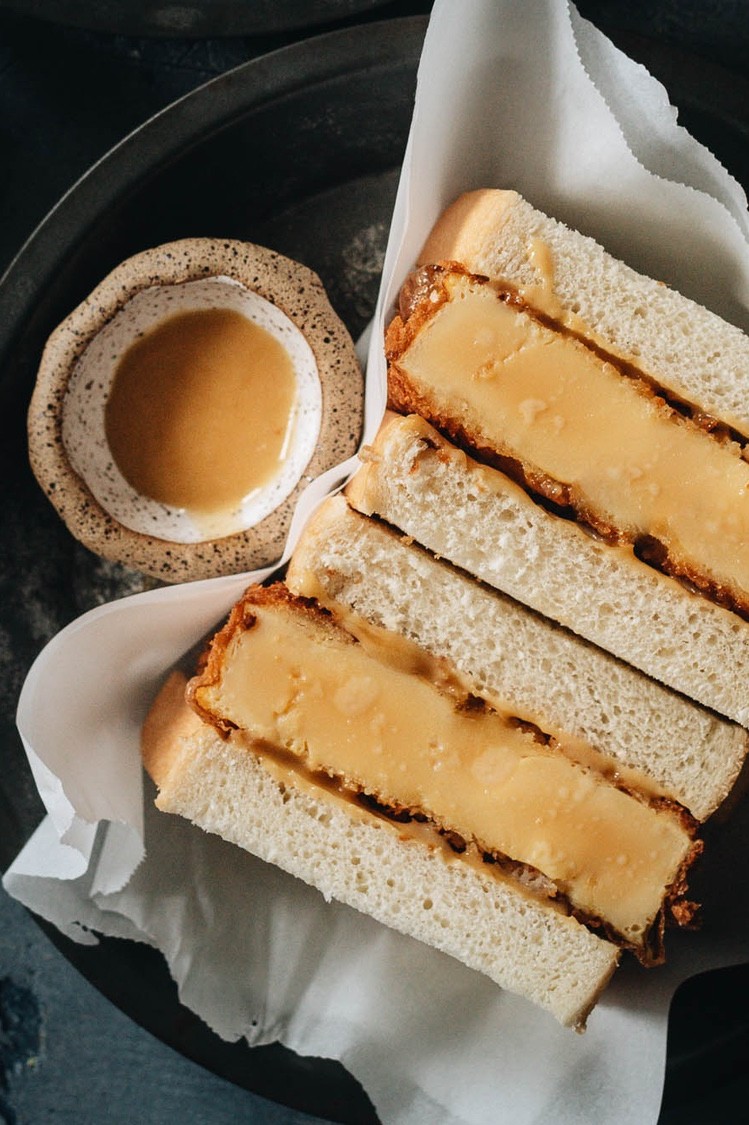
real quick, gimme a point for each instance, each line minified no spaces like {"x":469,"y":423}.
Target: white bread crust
{"x":684,"y":347}
{"x":484,"y":920}
{"x":543,"y":672}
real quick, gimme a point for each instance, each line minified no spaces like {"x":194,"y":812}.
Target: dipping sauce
{"x":209,"y":372}
{"x":201,"y":410}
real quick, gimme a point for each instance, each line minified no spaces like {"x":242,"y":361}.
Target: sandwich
{"x":606,"y":714}
{"x":427,"y":719}
{"x":608,"y":416}
{"x":377,"y":726}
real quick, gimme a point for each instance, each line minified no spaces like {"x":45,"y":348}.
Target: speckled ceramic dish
{"x":68,"y":444}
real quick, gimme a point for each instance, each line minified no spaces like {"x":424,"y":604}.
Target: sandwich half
{"x":617,"y":406}
{"x":365,"y":764}
{"x":602,"y":711}
{"x":374,"y":862}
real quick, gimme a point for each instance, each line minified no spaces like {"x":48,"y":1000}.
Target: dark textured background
{"x":67,"y":94}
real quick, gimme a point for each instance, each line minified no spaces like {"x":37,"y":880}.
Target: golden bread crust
{"x":168,"y":723}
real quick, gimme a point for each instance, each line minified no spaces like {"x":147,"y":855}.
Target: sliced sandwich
{"x":361,"y":855}
{"x":617,"y":406}
{"x":365,"y":763}
{"x":393,"y":726}
{"x":601,"y":711}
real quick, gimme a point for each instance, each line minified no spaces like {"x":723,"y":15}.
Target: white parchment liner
{"x":510,"y":94}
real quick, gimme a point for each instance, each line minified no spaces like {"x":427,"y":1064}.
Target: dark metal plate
{"x":275,"y":152}
{"x":193,"y":18}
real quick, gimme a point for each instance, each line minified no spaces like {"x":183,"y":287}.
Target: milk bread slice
{"x":483,"y":919}
{"x":651,"y":736}
{"x":480,"y":520}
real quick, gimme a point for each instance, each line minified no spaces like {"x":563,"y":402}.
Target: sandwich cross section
{"x":579,"y":428}
{"x":287,"y":677}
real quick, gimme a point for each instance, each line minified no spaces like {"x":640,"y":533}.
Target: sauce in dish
{"x":194,"y":412}
{"x":181,"y":411}
{"x":201,"y":411}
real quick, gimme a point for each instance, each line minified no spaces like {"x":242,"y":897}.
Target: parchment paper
{"x":510,"y":94}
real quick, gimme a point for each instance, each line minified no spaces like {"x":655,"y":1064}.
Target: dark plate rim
{"x":219,"y":18}
{"x":321,"y":1087}
{"x":176,"y":129}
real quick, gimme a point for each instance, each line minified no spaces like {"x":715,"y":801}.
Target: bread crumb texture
{"x":482,"y":920}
